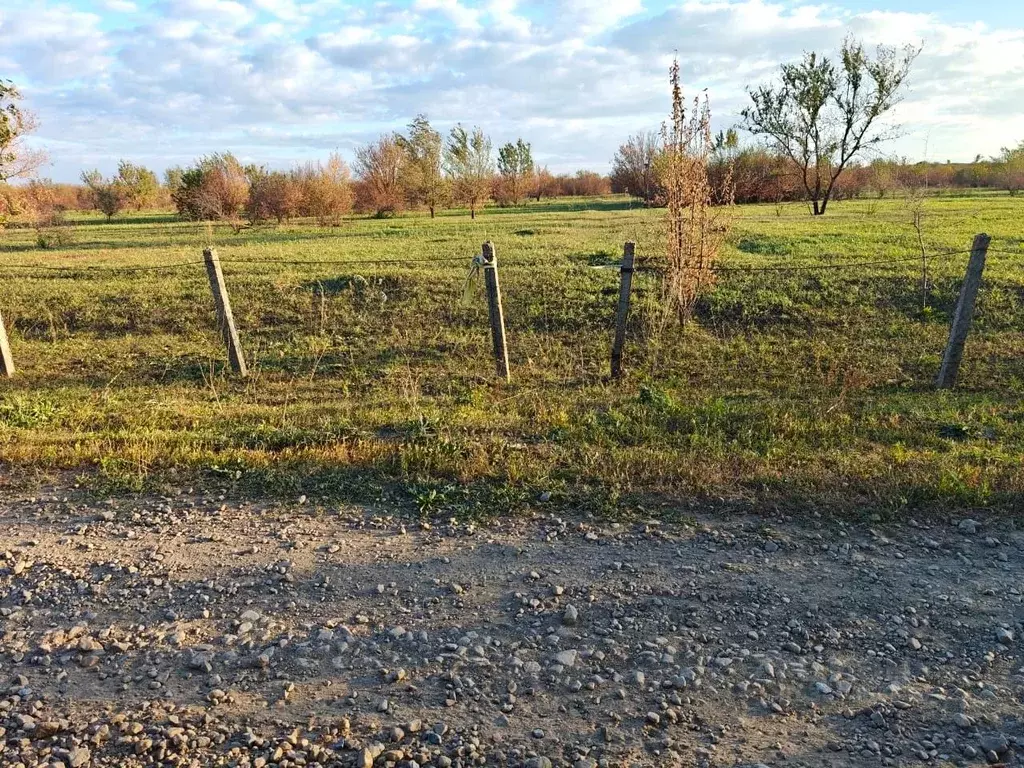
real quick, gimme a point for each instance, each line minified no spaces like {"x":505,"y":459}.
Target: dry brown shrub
{"x":272,"y":196}
{"x":325,"y":190}
{"x":545,"y":184}
{"x":695,"y":226}
{"x":44,"y":203}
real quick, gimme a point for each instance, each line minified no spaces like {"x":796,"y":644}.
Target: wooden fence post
{"x":6,"y":360}
{"x":964,"y":314}
{"x":622,"y":315}
{"x":494,"y":311}
{"x":225,"y":319}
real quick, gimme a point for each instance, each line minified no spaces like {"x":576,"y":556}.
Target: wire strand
{"x":331,"y":262}
{"x":96,"y":268}
{"x":263,"y":262}
{"x":462,"y":260}
{"x":811,"y":267}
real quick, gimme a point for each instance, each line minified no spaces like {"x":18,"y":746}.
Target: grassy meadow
{"x":805,"y":390}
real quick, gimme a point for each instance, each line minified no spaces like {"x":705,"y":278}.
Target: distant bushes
{"x":325,"y":191}
{"x":319,"y":191}
{"x":761,"y":176}
{"x":273,"y":196}
{"x":214,"y":189}
{"x":421,"y":172}
{"x":417,"y":171}
{"x":219,"y":188}
{"x":43,"y":204}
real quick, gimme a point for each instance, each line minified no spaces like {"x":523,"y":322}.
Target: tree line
{"x":759,"y":175}
{"x":415,"y":170}
{"x":818,"y":128}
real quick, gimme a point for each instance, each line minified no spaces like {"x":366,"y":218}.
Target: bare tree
{"x":634,"y":166}
{"x":544,"y":184}
{"x":16,"y":160}
{"x":470,"y":166}
{"x":822,"y":116}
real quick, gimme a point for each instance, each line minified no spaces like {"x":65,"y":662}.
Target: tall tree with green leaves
{"x":515,"y":164}
{"x":16,"y":160}
{"x":822,"y":115}
{"x":139,"y":185}
{"x":1012,"y":160}
{"x":172,"y":178}
{"x":468,"y":161}
{"x":424,"y":170}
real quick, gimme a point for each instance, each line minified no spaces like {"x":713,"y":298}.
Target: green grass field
{"x":808,"y":390}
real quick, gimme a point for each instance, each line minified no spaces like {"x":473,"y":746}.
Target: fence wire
{"x":720,"y":269}
{"x":261,"y":262}
{"x":809,"y":267}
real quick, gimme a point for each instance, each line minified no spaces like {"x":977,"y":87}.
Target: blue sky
{"x":283,"y":81}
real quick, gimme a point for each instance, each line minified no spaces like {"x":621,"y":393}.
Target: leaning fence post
{"x":964,"y":314}
{"x":225,"y":319}
{"x":622,"y":315}
{"x":6,"y":360}
{"x":494,"y":311}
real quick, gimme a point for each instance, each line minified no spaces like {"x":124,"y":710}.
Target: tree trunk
{"x":472,"y":212}
{"x":431,"y":211}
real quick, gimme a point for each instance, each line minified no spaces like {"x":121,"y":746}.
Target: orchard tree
{"x":325,"y":190}
{"x":544,"y":184}
{"x":272,"y":195}
{"x":515,"y":164}
{"x":634,"y":167}
{"x":16,"y":160}
{"x":822,"y":115}
{"x":139,"y":185}
{"x":469,"y":164}
{"x":424,"y":174}
{"x":380,"y":167}
{"x":106,"y":195}
{"x":215,"y":188}
{"x":172,"y":178}
{"x":1012,"y":160}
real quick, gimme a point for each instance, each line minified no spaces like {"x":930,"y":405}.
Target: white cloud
{"x":53,"y":43}
{"x":119,"y":6}
{"x":286,"y":10}
{"x":229,"y":13}
{"x":463,"y":17}
{"x":289,"y":78}
{"x":505,"y":21}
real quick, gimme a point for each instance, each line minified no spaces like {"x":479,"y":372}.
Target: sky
{"x":277,"y":82}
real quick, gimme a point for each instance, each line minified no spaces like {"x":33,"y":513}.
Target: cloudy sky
{"x":276,"y":81}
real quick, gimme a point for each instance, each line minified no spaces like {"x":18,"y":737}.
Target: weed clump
{"x":695,"y":227}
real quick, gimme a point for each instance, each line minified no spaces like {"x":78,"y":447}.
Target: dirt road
{"x":194,"y":631}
